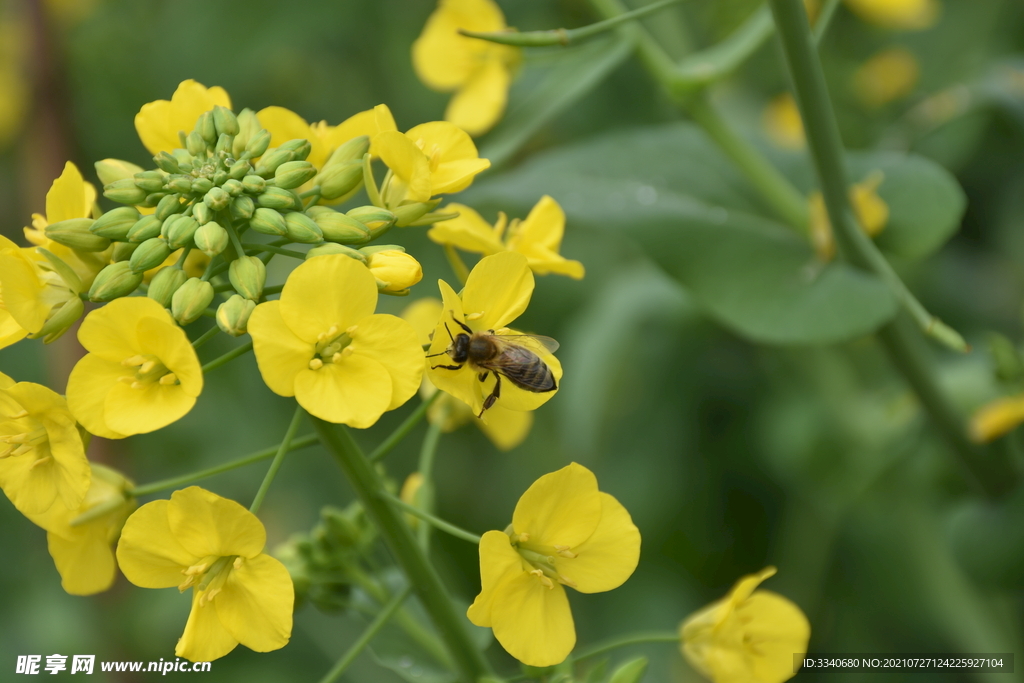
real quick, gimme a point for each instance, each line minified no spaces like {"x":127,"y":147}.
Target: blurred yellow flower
{"x":905,"y":15}
{"x":10,"y":331}
{"x":782,"y":123}
{"x":871,"y":211}
{"x":886,"y":77}
{"x":997,"y":418}
{"x":13,"y":82}
{"x":42,"y":459}
{"x":213,"y":545}
{"x":538,"y":237}
{"x":564,"y":532}
{"x":158,"y":123}
{"x":478,"y":71}
{"x":81,"y":541}
{"x":141,"y":372}
{"x":323,"y":344}
{"x":497,"y":292}
{"x":34,"y":292}
{"x":749,"y":636}
{"x":427,"y":160}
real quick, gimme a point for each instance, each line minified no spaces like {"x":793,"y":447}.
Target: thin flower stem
{"x":449,"y":621}
{"x":273,"y":289}
{"x":227,"y":357}
{"x":444,"y":526}
{"x":372,"y":630}
{"x":457,"y":264}
{"x":634,"y":639}
{"x":205,"y":337}
{"x":233,"y":234}
{"x":403,"y":429}
{"x":278,"y":460}
{"x":425,"y":494}
{"x":251,"y":247}
{"x":210,"y":267}
{"x":174,"y":482}
{"x":824,"y":20}
{"x":181,"y":259}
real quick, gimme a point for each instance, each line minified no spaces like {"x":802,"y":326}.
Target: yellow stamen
{"x":351,"y":330}
{"x":237,"y":564}
{"x":316,"y":364}
{"x":134,"y":361}
{"x":168,"y":379}
{"x":475,"y":316}
{"x":567,"y":582}
{"x":15,"y":438}
{"x":147,"y":366}
{"x":545,"y":581}
{"x":126,"y":379}
{"x":347,"y":351}
{"x":564,"y":551}
{"x":138,"y":385}
{"x":22,"y":450}
{"x":336,"y":358}
{"x":18,"y":416}
{"x":40,"y":461}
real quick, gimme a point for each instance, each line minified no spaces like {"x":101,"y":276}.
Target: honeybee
{"x":505,"y":355}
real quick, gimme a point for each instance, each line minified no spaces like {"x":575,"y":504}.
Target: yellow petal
{"x":280,"y":355}
{"x":506,"y":428}
{"x":207,"y":524}
{"x":910,"y":15}
{"x":499,"y":289}
{"x":606,"y":559}
{"x":23,"y":290}
{"x":886,"y":77}
{"x":782,"y":122}
{"x":499,"y":562}
{"x":205,"y":638}
{"x":256,"y":604}
{"x":560,"y":508}
{"x":481,"y":101}
{"x":775,"y":629}
{"x":68,"y":196}
{"x":10,"y":331}
{"x":539,"y":238}
{"x":363,"y":123}
{"x":533,"y":622}
{"x":407,"y":162}
{"x":331,"y":290}
{"x":354,"y":392}
{"x":469,"y":232}
{"x":384,"y":118}
{"x":85,"y":564}
{"x":91,"y":380}
{"x":284,"y":125}
{"x":443,"y":59}
{"x":463,"y":383}
{"x":169,"y":343}
{"x":454,"y":157}
{"x":129,"y":410}
{"x":148,"y":552}
{"x":392,"y":342}
{"x":111,"y":332}
{"x":423,"y":315}
{"x":997,"y":418}
{"x":159,"y":122}
{"x":6,"y":382}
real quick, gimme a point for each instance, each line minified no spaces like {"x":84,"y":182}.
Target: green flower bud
{"x":150,"y":181}
{"x":123,"y":251}
{"x":115,"y":224}
{"x":248,"y":275}
{"x":220,"y":177}
{"x":268,"y":222}
{"x":150,"y":254}
{"x":61,"y":321}
{"x":233,"y":315}
{"x":181,"y":184}
{"x":217,"y":199}
{"x":268,"y":164}
{"x":201,"y":186}
{"x":181,"y":232}
{"x":232,"y":187}
{"x":353,"y":150}
{"x":124,"y":191}
{"x":280,"y":199}
{"x":254,"y":184}
{"x":190,"y":300}
{"x":332,"y":248}
{"x":302,"y":229}
{"x":153,"y":199}
{"x":224,"y":120}
{"x":339,"y":180}
{"x":300,"y":147}
{"x":211,"y":238}
{"x":195,"y":144}
{"x":145,"y":228}
{"x":258,"y":144}
{"x":248,"y":125}
{"x":116,"y":280}
{"x":409,"y":213}
{"x":110,"y":170}
{"x":166,"y":162}
{"x":378,"y":221}
{"x":206,"y":127}
{"x":223,"y":145}
{"x":165,"y":283}
{"x":239,"y":170}
{"x":337,"y":227}
{"x":75,"y":233}
{"x":63,"y":270}
{"x":242,"y":207}
{"x":395,"y":271}
{"x":201,"y":212}
{"x":183,"y":158}
{"x":293,"y":174}
{"x":168,"y":206}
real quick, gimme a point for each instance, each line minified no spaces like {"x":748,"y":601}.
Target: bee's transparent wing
{"x":534,"y":342}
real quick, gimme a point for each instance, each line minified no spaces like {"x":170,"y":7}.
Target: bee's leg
{"x":446,"y":367}
{"x":460,"y":324}
{"x":449,"y":331}
{"x":483,"y":376}
{"x":495,"y":393}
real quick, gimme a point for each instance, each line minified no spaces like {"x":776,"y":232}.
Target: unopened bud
{"x":299,"y":147}
{"x":181,"y":232}
{"x":145,"y":228}
{"x":232,"y":187}
{"x":293,"y":174}
{"x":233,"y":315}
{"x":248,"y":125}
{"x":206,"y":127}
{"x":267,"y":165}
{"x":217,"y":199}
{"x":201,"y":212}
{"x":254,"y":184}
{"x":195,"y":144}
{"x":223,"y":146}
{"x":116,"y":280}
{"x":63,"y":270}
{"x":182,"y":184}
{"x":211,"y":238}
{"x":150,"y":254}
{"x":190,"y":300}
{"x":152,"y":199}
{"x":409,"y":213}
{"x":257,"y":144}
{"x":339,"y":180}
{"x":123,"y":251}
{"x":239,"y":170}
{"x":280,"y":199}
{"x":168,"y":206}
{"x":224,"y":120}
{"x":337,"y":227}
{"x":302,"y":229}
{"x":201,"y":186}
{"x":115,"y":224}
{"x":395,"y":270}
{"x":61,"y":321}
{"x":124,"y":191}
{"x":378,"y":221}
{"x":248,"y":275}
{"x":150,"y":181}
{"x":332,"y":248}
{"x":110,"y":170}
{"x":268,"y":222}
{"x":242,"y":208}
{"x":165,"y":283}
{"x":353,"y":150}
{"x":75,"y":233}
{"x":166,"y":162}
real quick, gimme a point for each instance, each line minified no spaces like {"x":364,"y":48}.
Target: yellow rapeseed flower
{"x":996,"y":418}
{"x":323,"y":344}
{"x":42,"y":459}
{"x":478,"y":71}
{"x":158,"y":123}
{"x":14,"y":84}
{"x":782,"y":122}
{"x":284,"y":125}
{"x":34,"y":292}
{"x":497,"y":292}
{"x":538,"y":237}
{"x":886,"y":77}
{"x":871,"y":211}
{"x":564,"y":532}
{"x":213,"y":545}
{"x":141,"y":372}
{"x":81,"y":541}
{"x":10,"y":331}
{"x":905,"y":15}
{"x":427,"y":160}
{"x":749,"y":636}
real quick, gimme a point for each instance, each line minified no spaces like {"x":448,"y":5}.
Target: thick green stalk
{"x":425,"y":495}
{"x":227,"y":357}
{"x":372,"y":630}
{"x":450,"y":623}
{"x":252,"y":248}
{"x":205,"y":337}
{"x":444,"y":526}
{"x":278,"y":460}
{"x":403,"y":429}
{"x":827,"y":152}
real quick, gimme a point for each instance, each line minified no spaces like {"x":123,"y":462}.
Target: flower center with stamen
{"x":148,"y":369}
{"x":543,"y":559}
{"x":332,"y":346}
{"x":209,"y":576}
{"x":433,"y":154}
{"x":24,"y":440}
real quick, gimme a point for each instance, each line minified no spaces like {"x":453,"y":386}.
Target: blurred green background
{"x":729,"y":455}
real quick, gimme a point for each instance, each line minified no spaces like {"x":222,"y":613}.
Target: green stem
{"x":444,"y":526}
{"x":718,"y":61}
{"x":372,"y":630}
{"x":457,"y":264}
{"x":634,"y":639}
{"x":271,"y":248}
{"x":363,"y":477}
{"x":206,"y":336}
{"x":233,"y":234}
{"x":175,"y":482}
{"x":403,"y":429}
{"x":210,"y":268}
{"x":425,"y":495}
{"x":562,"y":36}
{"x":273,"y":289}
{"x":227,"y":357}
{"x":828,"y":11}
{"x":278,"y":460}
{"x":181,"y":259}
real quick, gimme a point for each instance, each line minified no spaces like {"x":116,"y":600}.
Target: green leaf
{"x":630,"y":672}
{"x":988,"y":540}
{"x":670,"y":190}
